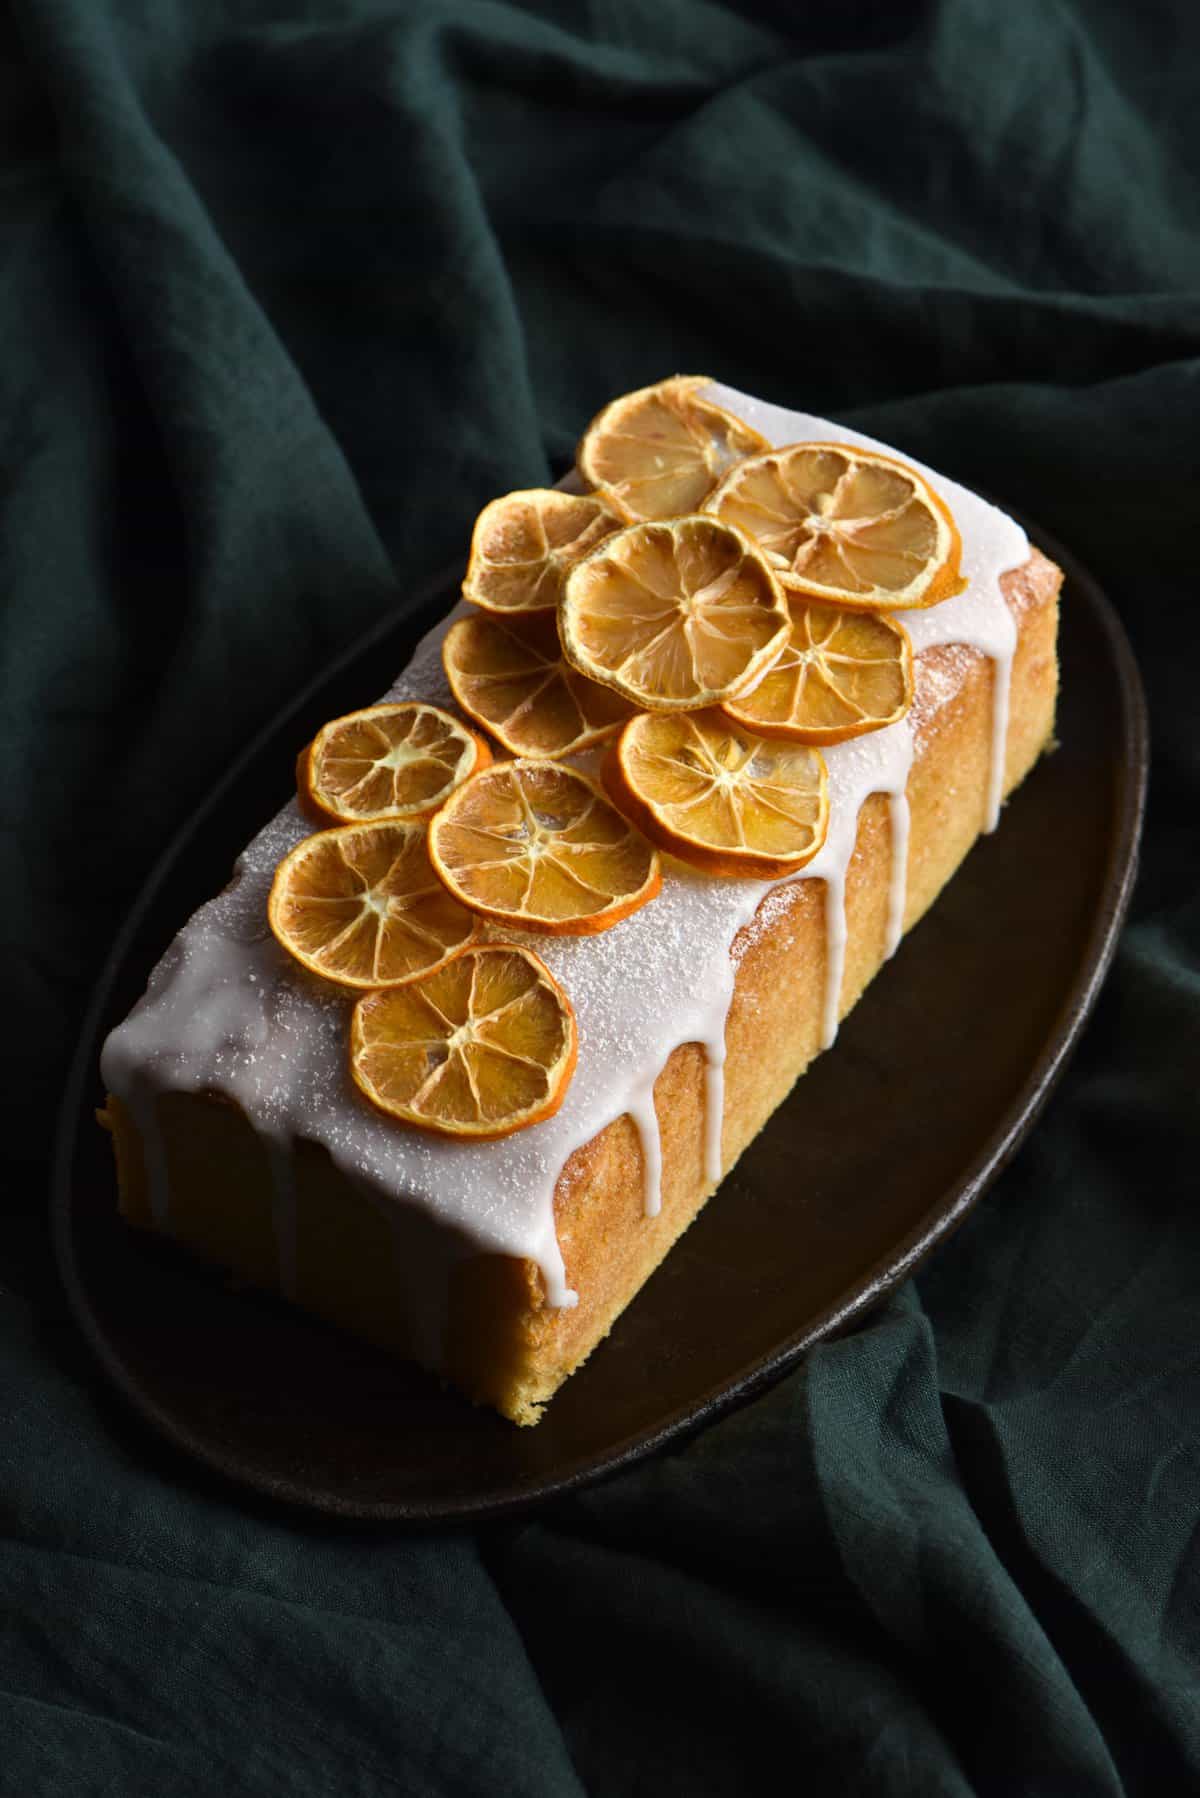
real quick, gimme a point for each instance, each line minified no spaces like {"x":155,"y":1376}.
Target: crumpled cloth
{"x":290,"y":289}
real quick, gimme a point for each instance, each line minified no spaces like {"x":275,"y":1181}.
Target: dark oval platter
{"x":970,"y":1023}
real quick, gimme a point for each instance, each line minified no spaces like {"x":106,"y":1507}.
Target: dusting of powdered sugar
{"x":940,"y":679}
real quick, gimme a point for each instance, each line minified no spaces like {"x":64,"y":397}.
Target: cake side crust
{"x":774,"y":1025}
{"x":505,"y":1345}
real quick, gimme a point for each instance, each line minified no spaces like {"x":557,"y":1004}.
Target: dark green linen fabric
{"x":289,"y":290}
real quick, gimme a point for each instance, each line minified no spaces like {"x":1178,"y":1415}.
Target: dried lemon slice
{"x":539,"y":847}
{"x":480,"y":1047}
{"x":361,"y":905}
{"x":841,"y":675}
{"x":388,"y":761}
{"x":719,"y":796}
{"x":673,"y":616}
{"x":508,"y":674}
{"x":660,"y":451}
{"x":524,"y":543}
{"x":847,"y":525}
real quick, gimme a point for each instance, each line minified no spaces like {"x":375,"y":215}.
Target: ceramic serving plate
{"x":970,"y":1025}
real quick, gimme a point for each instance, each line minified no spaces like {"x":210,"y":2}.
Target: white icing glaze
{"x":640,"y":1107}
{"x":227,"y":1012}
{"x":898,"y":819}
{"x":714,"y":1100}
{"x":878,"y":763}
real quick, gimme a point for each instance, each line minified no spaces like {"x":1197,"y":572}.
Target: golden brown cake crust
{"x":505,"y":1345}
{"x":773,"y":1029}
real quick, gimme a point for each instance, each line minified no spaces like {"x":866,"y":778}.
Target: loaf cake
{"x":500,"y":1265}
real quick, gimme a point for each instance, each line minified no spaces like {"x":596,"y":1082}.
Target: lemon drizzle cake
{"x":228,"y":1015}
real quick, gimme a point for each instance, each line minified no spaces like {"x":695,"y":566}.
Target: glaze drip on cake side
{"x":228,"y":1012}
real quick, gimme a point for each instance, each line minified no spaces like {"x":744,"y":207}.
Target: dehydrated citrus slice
{"x":480,"y":1047}
{"x":841,"y":674}
{"x":658,"y":452}
{"x":673,"y":615}
{"x":719,"y":796}
{"x":388,"y":761}
{"x":361,"y":905}
{"x":524,"y":543}
{"x":539,"y":847}
{"x":846,"y":525}
{"x":510,"y":676}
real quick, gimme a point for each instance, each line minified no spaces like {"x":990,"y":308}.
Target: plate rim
{"x":1107,"y":919}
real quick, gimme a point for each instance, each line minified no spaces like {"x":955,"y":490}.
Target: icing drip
{"x":227,"y":1012}
{"x":835,"y":955}
{"x":992,"y":631}
{"x":1001,"y":686}
{"x":878,"y":763}
{"x":714,"y":1105}
{"x":641,"y":1110}
{"x":899,"y":818}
